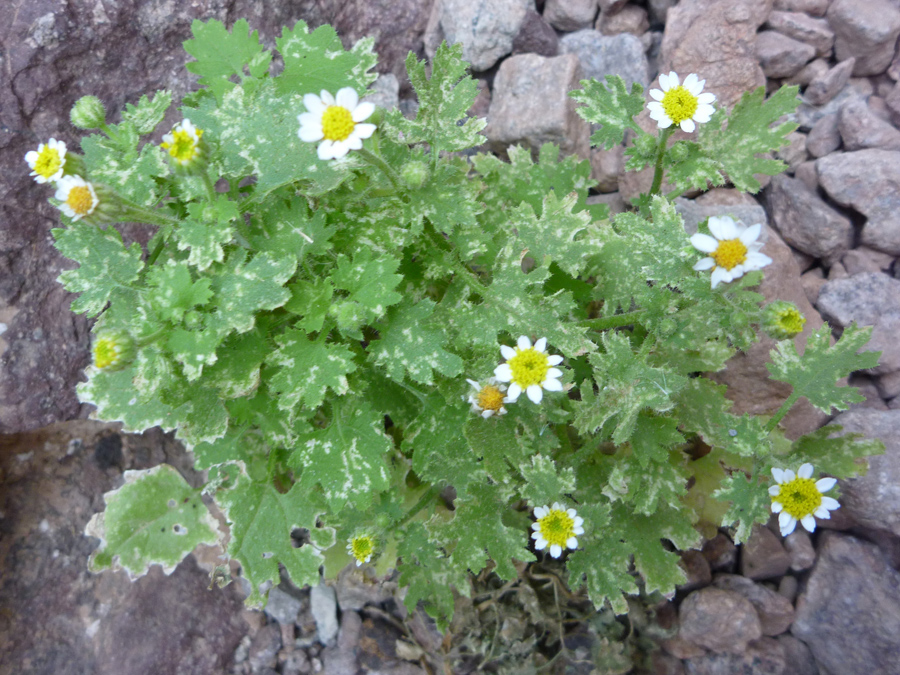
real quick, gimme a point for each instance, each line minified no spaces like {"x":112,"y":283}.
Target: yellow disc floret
{"x":337,"y":123}
{"x":800,"y":497}
{"x":679,"y":104}
{"x":490,"y":398}
{"x":528,"y":366}
{"x":362,"y":548}
{"x":80,"y":200}
{"x":557,"y":527}
{"x":113,"y":350}
{"x":48,"y":162}
{"x":730,"y":253}
{"x":183,"y":147}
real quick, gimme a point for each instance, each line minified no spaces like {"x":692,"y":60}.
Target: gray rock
{"x":811,"y":7}
{"x":722,"y":621}
{"x":264,"y":647}
{"x":632,"y":19}
{"x":721,"y":553}
{"x":806,"y":173}
{"x":798,"y":659}
{"x":601,"y":55}
{"x":283,"y":606}
{"x":323,"y":605}
{"x":696,"y":568}
{"x":866,"y":386}
{"x":806,"y":221}
{"x":861,"y":129}
{"x":892,"y":100}
{"x":530,"y":104}
{"x":787,"y":587}
{"x":716,"y":40}
{"x":342,"y":659}
{"x":605,"y":168}
{"x":865,"y":259}
{"x":867,"y":31}
{"x":659,"y":9}
{"x":837,"y":271}
{"x":384,"y":92}
{"x":569,"y":15}
{"x":826,"y":86}
{"x":888,"y":385}
{"x":799,"y":546}
{"x":849,"y":614}
{"x":809,"y":72}
{"x":357,"y":587}
{"x":763,"y":555}
{"x":794,"y":153}
{"x":763,"y":657}
{"x":812,"y":282}
{"x":611,"y":6}
{"x":536,"y":36}
{"x":694,"y":213}
{"x":873,"y":500}
{"x":782,"y":56}
{"x":867,"y":180}
{"x":825,"y":137}
{"x":775,"y":612}
{"x":803,"y":27}
{"x":485,"y":29}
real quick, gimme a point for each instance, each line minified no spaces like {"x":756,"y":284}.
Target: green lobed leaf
{"x":222,"y":55}
{"x":840,"y":456}
{"x":648,"y":486}
{"x":611,"y":106}
{"x":117,"y":163}
{"x":155,"y":518}
{"x":148,"y":113}
{"x":105,"y":265}
{"x":175,"y":292}
{"x":814,"y":374}
{"x":207,"y":231}
{"x":370,"y":286}
{"x":310,"y":300}
{"x":495,"y":441}
{"x":545,"y":481}
{"x":750,"y":504}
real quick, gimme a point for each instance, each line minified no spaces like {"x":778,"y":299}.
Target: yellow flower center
{"x":791,"y":321}
{"x":106,"y":353}
{"x":362,"y":547}
{"x":490,"y":398}
{"x":800,"y":497}
{"x":183,"y":147}
{"x":528,"y":366}
{"x":337,"y":123}
{"x":48,"y":162}
{"x":80,"y":200}
{"x":679,"y":104}
{"x":557,"y":527}
{"x":730,"y":253}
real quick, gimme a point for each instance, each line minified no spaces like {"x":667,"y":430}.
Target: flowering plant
{"x":338,"y":315}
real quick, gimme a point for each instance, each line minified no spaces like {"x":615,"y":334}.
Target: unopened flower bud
{"x":414,"y":173}
{"x":88,"y":113}
{"x":113,"y":350}
{"x":645,"y":144}
{"x":678,"y":152}
{"x":782,"y":320}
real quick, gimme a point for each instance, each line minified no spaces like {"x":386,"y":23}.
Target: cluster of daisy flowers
{"x":77,"y":197}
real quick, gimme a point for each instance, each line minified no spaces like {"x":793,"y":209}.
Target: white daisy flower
{"x":529,"y":368}
{"x":183,"y":142}
{"x":48,"y":161}
{"x":556,"y":526}
{"x":362,"y":548}
{"x":336,"y":119}
{"x":77,"y":196}
{"x":733,"y":249}
{"x":681,"y":104}
{"x":489,"y":399}
{"x":800,"y":498}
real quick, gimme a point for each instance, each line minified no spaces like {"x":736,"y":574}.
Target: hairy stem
{"x":660,"y":154}
{"x":375,"y":160}
{"x":614,"y":321}
{"x":782,"y":411}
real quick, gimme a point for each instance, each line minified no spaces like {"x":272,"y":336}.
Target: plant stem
{"x":421,"y":504}
{"x":614,"y":321}
{"x":660,"y":154}
{"x":375,"y":160}
{"x":138,"y":214}
{"x":457,"y":265}
{"x":210,"y":188}
{"x":160,"y":245}
{"x":782,"y":411}
{"x":144,"y":341}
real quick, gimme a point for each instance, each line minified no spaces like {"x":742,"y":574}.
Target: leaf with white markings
{"x":308,"y":369}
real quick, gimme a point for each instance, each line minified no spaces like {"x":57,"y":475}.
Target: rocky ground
{"x":826,"y":604}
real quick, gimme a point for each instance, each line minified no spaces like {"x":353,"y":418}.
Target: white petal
{"x":657,"y":94}
{"x":703,"y":113}
{"x":540,"y":544}
{"x":554,"y":359}
{"x":719,"y":275}
{"x":341,"y":148}
{"x":535,"y":393}
{"x":487,"y":413}
{"x":655,"y":109}
{"x":572,"y":543}
{"x":668,"y":81}
{"x":704,"y":264}
{"x":774,"y":490}
{"x":578,"y":521}
{"x":364,"y":130}
{"x":314,"y":104}
{"x":354,"y":142}
{"x":806,"y":470}
{"x":514,"y":392}
{"x":703,"y":242}
{"x":706,"y":98}
{"x":326,"y":97}
{"x":507,"y":352}
{"x":523,"y":343}
{"x":31,"y":157}
{"x":347,"y":98}
{"x":822,"y":513}
{"x":750,"y":235}
{"x":535,"y":527}
{"x":363,"y":111}
{"x":578,"y":529}
{"x":504,"y":374}
{"x":778,"y":474}
{"x":777,"y":507}
{"x":693,"y":84}
{"x":571,"y":513}
{"x":722,"y":228}
{"x":541,"y":511}
{"x":541,"y":344}
{"x":825,"y":484}
{"x":558,"y":507}
{"x":757,"y":261}
{"x":475,"y":385}
{"x":325,"y":150}
{"x":788,"y":475}
{"x":786,"y":522}
{"x":306,"y":118}
{"x":687,"y":126}
{"x":551,"y":384}
{"x":664,"y":123}
{"x":554,"y":373}
{"x":736,"y":272}
{"x":830,"y":503}
{"x":311,"y":133}
{"x":556,"y":550}
{"x":809,"y":523}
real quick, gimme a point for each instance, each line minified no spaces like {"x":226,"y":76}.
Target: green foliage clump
{"x":307,"y":328}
